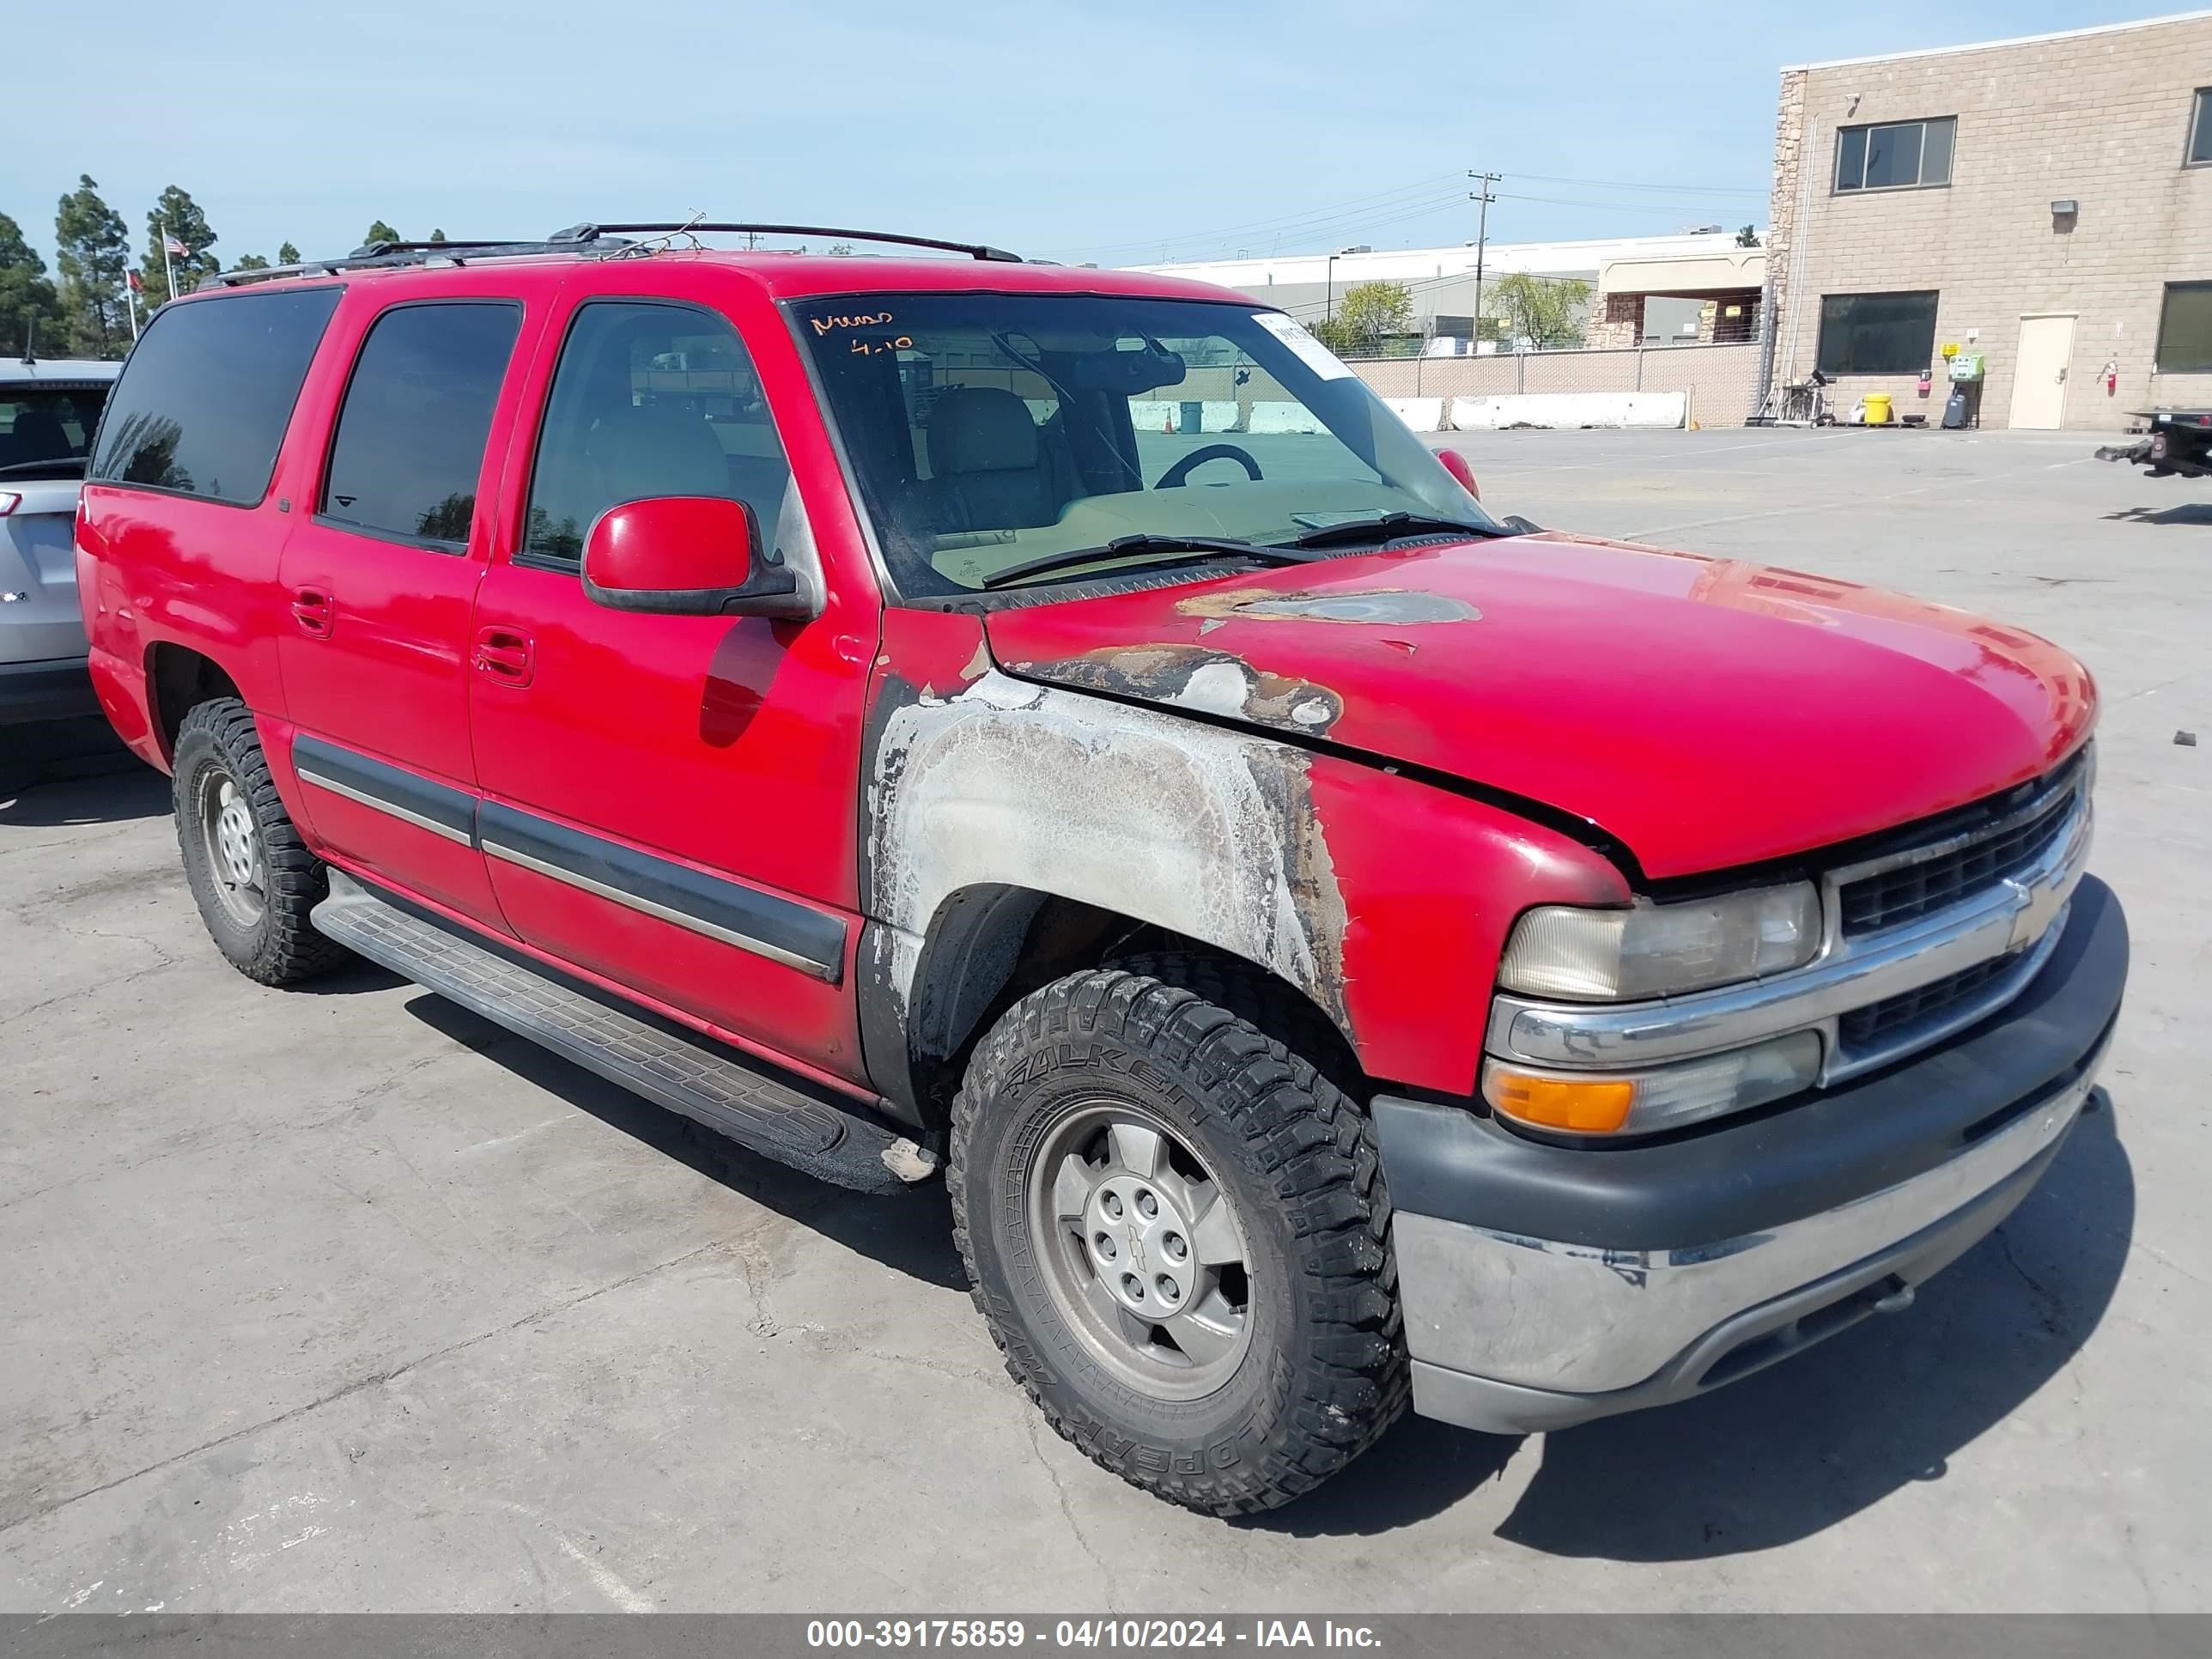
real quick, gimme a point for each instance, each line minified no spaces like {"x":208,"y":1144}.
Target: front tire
{"x":251,"y":874}
{"x":1178,"y":1234}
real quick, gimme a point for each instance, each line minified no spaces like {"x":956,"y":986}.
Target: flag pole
{"x":168,"y":271}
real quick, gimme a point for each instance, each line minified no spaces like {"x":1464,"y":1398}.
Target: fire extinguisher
{"x":2112,"y":376}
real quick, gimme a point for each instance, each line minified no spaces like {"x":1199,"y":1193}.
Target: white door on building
{"x":2039,"y":381}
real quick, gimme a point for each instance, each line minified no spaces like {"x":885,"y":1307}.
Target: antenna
{"x":30,"y":339}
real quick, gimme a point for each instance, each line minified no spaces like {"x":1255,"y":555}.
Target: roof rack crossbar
{"x":586,"y":233}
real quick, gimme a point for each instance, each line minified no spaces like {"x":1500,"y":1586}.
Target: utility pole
{"x":1481,"y":245}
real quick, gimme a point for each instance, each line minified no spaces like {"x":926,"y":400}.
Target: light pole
{"x":1332,"y":258}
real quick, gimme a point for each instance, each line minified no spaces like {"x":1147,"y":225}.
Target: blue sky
{"x":1114,"y":132}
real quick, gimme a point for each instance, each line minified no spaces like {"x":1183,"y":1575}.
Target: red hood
{"x":1704,"y":711}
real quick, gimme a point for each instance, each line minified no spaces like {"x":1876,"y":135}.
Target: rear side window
{"x":410,"y":438}
{"x":203,"y":404}
{"x":46,"y":430}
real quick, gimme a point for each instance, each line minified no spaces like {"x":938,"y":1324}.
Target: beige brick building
{"x":2045,"y":203}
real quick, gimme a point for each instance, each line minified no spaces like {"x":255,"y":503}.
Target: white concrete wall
{"x":1165,"y":415}
{"x":1570,"y":409}
{"x":1285,"y":417}
{"x":1422,"y":414}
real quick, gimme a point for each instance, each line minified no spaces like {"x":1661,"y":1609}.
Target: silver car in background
{"x":49,"y":409}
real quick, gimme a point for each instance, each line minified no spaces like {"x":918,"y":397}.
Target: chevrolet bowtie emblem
{"x":2033,"y":907}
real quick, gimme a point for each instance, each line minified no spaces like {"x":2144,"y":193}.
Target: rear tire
{"x":1110,"y":1105}
{"x":251,"y":874}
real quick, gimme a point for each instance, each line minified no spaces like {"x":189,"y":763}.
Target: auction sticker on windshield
{"x":1311,"y":352}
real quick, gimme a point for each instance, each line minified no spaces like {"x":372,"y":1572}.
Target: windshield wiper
{"x":1389,"y":526}
{"x":61,"y":466}
{"x":1142,"y":546}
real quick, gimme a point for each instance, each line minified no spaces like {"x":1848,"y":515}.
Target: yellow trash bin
{"x":1877,"y":404}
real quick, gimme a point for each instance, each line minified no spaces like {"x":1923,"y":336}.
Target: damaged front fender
{"x":1384,"y":900}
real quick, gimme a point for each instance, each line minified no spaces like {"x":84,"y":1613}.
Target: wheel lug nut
{"x":1134,"y":1286}
{"x":1147,"y":1206}
{"x":1112,"y":1205}
{"x":1175,"y":1246}
{"x":1168,"y":1287}
{"x":1104,"y":1242}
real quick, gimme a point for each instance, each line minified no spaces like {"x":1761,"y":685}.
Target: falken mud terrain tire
{"x":251,"y":874}
{"x":1258,"y":998}
{"x":1318,"y":1370}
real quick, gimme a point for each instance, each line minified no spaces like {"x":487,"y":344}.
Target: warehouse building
{"x":1442,"y":282}
{"x":2043,"y":204}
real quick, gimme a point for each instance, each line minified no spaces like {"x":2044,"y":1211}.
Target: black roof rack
{"x":372,"y":256}
{"x":586,"y":233}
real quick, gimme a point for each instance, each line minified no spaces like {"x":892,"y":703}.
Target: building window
{"x":2185,"y":329}
{"x":1901,"y":155}
{"x":1877,"y":333}
{"x":2200,"y":129}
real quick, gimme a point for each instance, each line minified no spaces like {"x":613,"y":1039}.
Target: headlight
{"x":1659,"y":1097}
{"x":1659,"y":950}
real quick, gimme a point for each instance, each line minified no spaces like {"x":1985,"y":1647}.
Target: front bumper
{"x":1545,"y":1286}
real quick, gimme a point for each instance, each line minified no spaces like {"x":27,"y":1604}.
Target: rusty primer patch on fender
{"x":1195,"y":676}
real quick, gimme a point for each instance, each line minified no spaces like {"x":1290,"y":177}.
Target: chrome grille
{"x":1961,"y":864}
{"x":1878,"y":1020}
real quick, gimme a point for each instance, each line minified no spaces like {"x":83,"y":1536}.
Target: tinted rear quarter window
{"x":203,"y":404}
{"x":47,"y":428}
{"x":411,"y":439}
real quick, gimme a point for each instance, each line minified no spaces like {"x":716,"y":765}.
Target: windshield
{"x":47,"y":429}
{"x":987,"y":431}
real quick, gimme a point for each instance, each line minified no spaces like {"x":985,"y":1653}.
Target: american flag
{"x":174,"y":248}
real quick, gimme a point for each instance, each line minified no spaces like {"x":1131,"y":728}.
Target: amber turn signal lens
{"x":1598,"y":1107}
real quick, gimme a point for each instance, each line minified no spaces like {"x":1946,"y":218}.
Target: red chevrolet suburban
{"x":1058,"y":725}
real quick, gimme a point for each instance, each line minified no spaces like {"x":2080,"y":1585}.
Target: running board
{"x":709,"y":1085}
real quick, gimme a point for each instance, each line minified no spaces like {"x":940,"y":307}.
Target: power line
{"x":1674,"y":212}
{"x":1325,"y":228}
{"x":1418,"y":200}
{"x":1630,"y":183}
{"x":1327,"y":208}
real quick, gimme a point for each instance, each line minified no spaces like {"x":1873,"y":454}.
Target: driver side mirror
{"x":687,"y":556}
{"x":1455,"y":463}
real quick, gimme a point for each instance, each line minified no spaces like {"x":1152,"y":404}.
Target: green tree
{"x":437,"y":235}
{"x":1748,"y":237}
{"x":176,"y":215}
{"x":1541,"y":311}
{"x":1331,"y":333}
{"x":287,"y":254}
{"x":1370,"y":314}
{"x":380,"y":232}
{"x":252,"y":262}
{"x":30,"y":310}
{"x":92,"y":249}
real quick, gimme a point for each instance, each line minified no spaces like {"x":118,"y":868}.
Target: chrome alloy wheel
{"x":233,"y":846}
{"x":1143,"y":1255}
